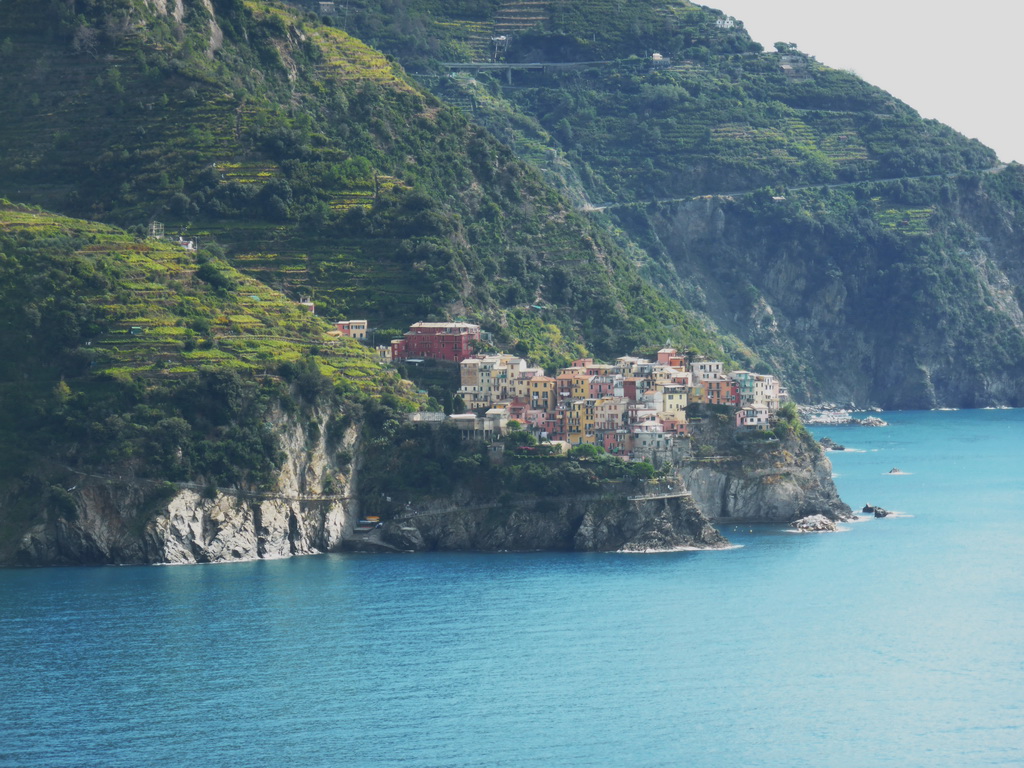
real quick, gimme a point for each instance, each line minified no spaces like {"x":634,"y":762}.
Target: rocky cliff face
{"x":727,"y":477}
{"x":652,"y":518}
{"x":135,"y":521}
{"x":906,"y":295}
{"x":771,"y":481}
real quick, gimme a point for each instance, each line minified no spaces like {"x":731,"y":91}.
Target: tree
{"x":85,"y":40}
{"x":585,"y":451}
{"x":519,"y":438}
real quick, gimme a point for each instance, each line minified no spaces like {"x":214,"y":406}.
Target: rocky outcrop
{"x":759,"y":480}
{"x":815,"y":524}
{"x":727,"y":475}
{"x":119,"y":520}
{"x":870,"y":509}
{"x":848,"y":305}
{"x":652,"y":518}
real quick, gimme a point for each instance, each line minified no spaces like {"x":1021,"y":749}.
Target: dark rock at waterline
{"x":876,"y":511}
{"x":831,"y":445}
{"x":403,"y":536}
{"x":642,"y":518}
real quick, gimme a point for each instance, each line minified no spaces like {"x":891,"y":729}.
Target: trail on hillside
{"x":836,"y":185}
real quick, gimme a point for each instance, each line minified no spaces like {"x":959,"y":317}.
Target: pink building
{"x":670,"y":357}
{"x":617,"y":441}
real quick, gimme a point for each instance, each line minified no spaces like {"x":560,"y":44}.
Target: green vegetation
{"x":902,"y":293}
{"x":407,"y":462}
{"x":811,"y":202}
{"x":714,"y":114}
{"x":119,"y":359}
{"x":788,"y":423}
{"x":844,"y":243}
{"x":318,"y":165}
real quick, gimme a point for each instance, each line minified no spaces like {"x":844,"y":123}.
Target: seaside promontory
{"x":202,"y":194}
{"x":119,"y":520}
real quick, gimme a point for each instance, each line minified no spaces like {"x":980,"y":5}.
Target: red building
{"x":436,"y":341}
{"x":722,"y":390}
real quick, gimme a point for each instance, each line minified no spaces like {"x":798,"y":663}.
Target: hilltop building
{"x":355,"y":329}
{"x":450,"y":341}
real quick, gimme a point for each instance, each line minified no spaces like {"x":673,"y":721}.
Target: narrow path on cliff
{"x":836,"y":185}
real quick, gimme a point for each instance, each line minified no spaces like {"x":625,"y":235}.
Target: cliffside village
{"x":633,"y":407}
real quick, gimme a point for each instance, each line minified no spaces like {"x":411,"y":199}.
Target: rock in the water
{"x":831,"y":445}
{"x":815,"y":524}
{"x":871,"y":421}
{"x":873,"y":510}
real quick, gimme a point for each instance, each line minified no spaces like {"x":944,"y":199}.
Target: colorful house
{"x":721,"y":390}
{"x":355,"y":329}
{"x":753,"y":417}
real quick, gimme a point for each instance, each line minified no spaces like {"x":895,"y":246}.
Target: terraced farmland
{"x":157,"y":319}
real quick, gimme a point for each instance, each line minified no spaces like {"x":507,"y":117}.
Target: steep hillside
{"x":861,"y":251}
{"x":161,"y":407}
{"x":130,"y":365}
{"x":904,"y":294}
{"x":578,"y":191}
{"x":316,"y":164}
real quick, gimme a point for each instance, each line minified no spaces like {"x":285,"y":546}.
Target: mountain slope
{"x":890,"y":273}
{"x":318,"y":166}
{"x":129,"y":361}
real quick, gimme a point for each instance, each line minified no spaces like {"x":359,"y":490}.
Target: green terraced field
{"x":172,"y":323}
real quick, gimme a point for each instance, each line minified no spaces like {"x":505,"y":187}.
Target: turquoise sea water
{"x":897,"y":643}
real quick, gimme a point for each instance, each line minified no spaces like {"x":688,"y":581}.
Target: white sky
{"x":960,"y":63}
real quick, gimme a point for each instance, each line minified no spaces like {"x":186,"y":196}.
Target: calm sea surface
{"x":897,"y":643}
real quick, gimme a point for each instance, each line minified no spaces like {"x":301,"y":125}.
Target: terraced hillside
{"x":125,"y":359}
{"x":93,"y":303}
{"x":317,"y":165}
{"x":777,"y":195}
{"x":699,"y":176}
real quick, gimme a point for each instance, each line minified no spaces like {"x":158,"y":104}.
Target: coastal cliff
{"x":114,"y":520}
{"x":765,"y":478}
{"x":652,"y":517}
{"x":842,"y":291}
{"x":126,"y":521}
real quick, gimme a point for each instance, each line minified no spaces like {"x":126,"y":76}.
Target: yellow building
{"x":674,"y":400}
{"x":540,"y":393}
{"x":582,"y":421}
{"x":355,"y":329}
{"x":581,"y":387}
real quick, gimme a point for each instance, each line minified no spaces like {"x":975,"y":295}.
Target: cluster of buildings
{"x":631,"y":407}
